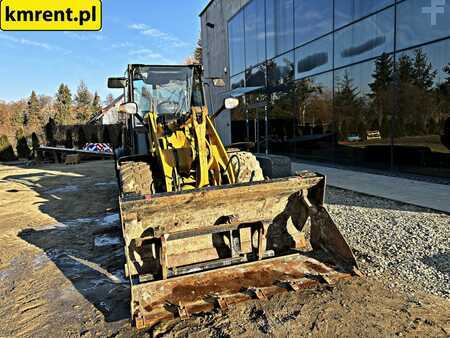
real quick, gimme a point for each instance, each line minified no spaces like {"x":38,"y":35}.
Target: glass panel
{"x":421,"y":126}
{"x":363,"y":109}
{"x":281,"y":70}
{"x":164,"y":90}
{"x":313,"y":135}
{"x":256,"y":125}
{"x":281,"y":122}
{"x":280,"y":26}
{"x":365,"y":39}
{"x":351,"y":10}
{"x":236,"y":44}
{"x":315,"y":57}
{"x":237,"y":81}
{"x":255,"y":30}
{"x":256,"y":76}
{"x":417,"y":23}
{"x":238,"y":117}
{"x":312,"y":19}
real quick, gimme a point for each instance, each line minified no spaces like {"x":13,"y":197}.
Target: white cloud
{"x":121,"y":45}
{"x":146,"y":55}
{"x":146,"y":52}
{"x":85,"y":36}
{"x":138,"y":26}
{"x":155,"y":33}
{"x":27,"y":42}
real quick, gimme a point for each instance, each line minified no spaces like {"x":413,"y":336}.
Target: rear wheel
{"x":246,"y":167}
{"x":136,"y":178}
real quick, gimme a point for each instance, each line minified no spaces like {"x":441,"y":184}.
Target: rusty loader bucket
{"x":190,"y":252}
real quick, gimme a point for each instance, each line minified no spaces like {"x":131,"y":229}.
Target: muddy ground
{"x":61,"y":274}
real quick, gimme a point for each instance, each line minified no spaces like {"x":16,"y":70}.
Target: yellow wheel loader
{"x":202,"y":227}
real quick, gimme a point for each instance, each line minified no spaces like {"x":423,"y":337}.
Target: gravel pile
{"x":404,"y":245}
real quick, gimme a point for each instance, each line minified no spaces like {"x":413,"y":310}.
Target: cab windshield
{"x":164,"y":90}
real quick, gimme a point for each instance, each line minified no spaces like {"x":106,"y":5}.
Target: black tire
{"x":248,"y":167}
{"x":136,"y":178}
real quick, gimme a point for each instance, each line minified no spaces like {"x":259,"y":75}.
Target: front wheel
{"x":246,"y":167}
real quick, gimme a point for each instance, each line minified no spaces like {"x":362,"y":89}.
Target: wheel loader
{"x":203,"y":229}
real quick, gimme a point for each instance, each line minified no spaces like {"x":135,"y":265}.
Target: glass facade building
{"x":348,"y":81}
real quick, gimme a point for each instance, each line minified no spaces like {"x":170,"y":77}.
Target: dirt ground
{"x":61,"y":274}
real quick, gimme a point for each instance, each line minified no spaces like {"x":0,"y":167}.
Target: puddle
{"x":109,"y":219}
{"x":102,"y":184}
{"x":106,"y":240}
{"x":67,"y":188}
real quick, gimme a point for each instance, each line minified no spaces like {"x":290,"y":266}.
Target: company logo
{"x":436,"y":7}
{"x":50,"y":15}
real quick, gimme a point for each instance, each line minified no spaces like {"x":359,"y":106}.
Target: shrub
{"x":6,"y":149}
{"x":105,"y":137}
{"x":35,"y":144}
{"x":81,"y":142}
{"x":69,"y":139}
{"x":50,"y":132}
{"x":23,"y":150}
{"x":94,"y":137}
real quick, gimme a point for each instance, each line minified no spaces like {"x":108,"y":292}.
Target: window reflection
{"x":281,"y":69}
{"x":352,"y":99}
{"x":256,"y":76}
{"x":237,"y":81}
{"x":236,"y":44}
{"x":279,"y":26}
{"x":282,"y":121}
{"x":416,"y":27}
{"x":424,"y":107}
{"x":312,"y":19}
{"x":238,"y":118}
{"x":255,"y":27}
{"x":347,"y":11}
{"x":316,"y":57}
{"x":365,"y":39}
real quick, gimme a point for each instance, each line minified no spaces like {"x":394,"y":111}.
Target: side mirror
{"x":129,"y":108}
{"x":218,"y":82}
{"x":117,"y":82}
{"x":231,"y":103}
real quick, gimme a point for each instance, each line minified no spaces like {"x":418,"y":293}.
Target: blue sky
{"x":134,"y":31}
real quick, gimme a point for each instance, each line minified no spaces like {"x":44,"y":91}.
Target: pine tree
{"x":63,"y":105}
{"x":382,"y":91}
{"x":348,"y":106}
{"x":405,"y":69}
{"x":383,"y":74}
{"x":83,"y":103}
{"x":423,"y":73}
{"x":446,"y":69}
{"x":96,"y":105}
{"x":198,"y":52}
{"x":33,"y":110}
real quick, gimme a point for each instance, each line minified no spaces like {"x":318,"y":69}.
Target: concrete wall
{"x":215,"y":57}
